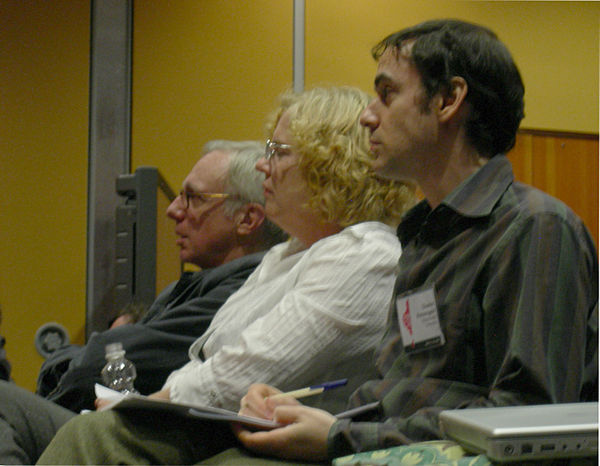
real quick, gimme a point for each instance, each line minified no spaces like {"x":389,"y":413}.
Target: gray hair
{"x":244,"y":182}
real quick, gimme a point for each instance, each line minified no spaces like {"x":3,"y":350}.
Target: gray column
{"x":109,"y":148}
{"x":298,"y":45}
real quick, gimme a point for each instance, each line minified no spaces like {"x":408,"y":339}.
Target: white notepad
{"x":120,"y":401}
{"x":520,"y":433}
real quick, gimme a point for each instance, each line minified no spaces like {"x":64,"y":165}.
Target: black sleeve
{"x":157,"y":347}
{"x":54,"y":367}
{"x":155,"y":354}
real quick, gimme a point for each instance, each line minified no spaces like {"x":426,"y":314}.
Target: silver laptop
{"x":519,"y":433}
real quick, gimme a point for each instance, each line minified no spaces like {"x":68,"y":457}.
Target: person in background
{"x":221,"y":227}
{"x":4,"y":364}
{"x":314,"y":309}
{"x":131,"y":314}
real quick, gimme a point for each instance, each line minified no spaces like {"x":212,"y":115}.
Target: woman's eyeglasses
{"x":275,"y":150}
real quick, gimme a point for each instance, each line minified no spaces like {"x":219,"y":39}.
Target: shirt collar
{"x":478,"y":194}
{"x":475,"y":197}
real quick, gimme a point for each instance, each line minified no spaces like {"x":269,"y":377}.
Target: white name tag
{"x":419,"y":321}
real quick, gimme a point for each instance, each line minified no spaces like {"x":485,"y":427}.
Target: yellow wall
{"x":206,"y":69}
{"x":44,"y":49}
{"x":212,"y":69}
{"x":555,"y":45}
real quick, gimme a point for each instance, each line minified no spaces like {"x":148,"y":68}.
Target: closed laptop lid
{"x":515,"y":433}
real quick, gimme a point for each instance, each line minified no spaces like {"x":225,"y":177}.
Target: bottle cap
{"x":113,"y":348}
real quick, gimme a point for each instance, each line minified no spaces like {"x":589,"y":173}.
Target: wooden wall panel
{"x":565,"y":166}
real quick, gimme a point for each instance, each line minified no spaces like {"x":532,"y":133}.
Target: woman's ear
{"x":249,"y":218}
{"x":453,"y":99}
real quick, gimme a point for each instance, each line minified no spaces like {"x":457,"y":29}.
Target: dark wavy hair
{"x":446,"y":48}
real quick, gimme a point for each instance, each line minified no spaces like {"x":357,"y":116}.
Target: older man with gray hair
{"x":221,"y":228}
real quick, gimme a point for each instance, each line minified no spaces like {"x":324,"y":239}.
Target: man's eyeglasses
{"x":275,"y":149}
{"x":187,"y":196}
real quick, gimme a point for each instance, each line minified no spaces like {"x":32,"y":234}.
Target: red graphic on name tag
{"x":407,"y":323}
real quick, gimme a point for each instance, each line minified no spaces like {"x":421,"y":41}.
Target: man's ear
{"x":453,"y":99}
{"x":249,"y":218}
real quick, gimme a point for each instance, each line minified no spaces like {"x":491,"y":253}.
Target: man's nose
{"x":368,"y":118}
{"x":176,"y":211}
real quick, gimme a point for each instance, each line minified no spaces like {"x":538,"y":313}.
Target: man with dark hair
{"x":216,"y":235}
{"x":446,"y":49}
{"x":495,"y":301}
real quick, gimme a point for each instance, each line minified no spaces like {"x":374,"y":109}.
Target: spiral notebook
{"x":520,"y":433}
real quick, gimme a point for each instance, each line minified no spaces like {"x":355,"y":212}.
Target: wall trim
{"x":557,"y":134}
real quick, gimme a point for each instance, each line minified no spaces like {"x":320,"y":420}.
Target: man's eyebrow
{"x":381,"y":77}
{"x":189,"y":188}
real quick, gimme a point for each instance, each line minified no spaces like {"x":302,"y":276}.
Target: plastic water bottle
{"x":118,"y":373}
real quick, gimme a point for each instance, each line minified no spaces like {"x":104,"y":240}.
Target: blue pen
{"x":312,"y":390}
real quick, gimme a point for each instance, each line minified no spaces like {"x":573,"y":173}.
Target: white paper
{"x":131,"y":400}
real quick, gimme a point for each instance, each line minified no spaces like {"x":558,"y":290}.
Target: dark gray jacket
{"x":157,"y":345}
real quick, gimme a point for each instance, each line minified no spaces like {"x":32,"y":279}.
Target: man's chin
{"x":183,"y":257}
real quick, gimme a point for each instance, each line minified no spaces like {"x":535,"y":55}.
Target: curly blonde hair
{"x":335,"y":160}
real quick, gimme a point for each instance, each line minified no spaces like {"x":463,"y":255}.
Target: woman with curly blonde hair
{"x":313,"y":310}
{"x":334,"y":157}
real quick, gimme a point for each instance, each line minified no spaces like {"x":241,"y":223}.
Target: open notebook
{"x":520,"y":433}
{"x":122,"y":401}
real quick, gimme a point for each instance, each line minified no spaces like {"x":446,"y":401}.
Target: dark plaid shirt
{"x":515,"y":276}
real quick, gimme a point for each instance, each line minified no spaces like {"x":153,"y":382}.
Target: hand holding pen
{"x":258,"y":403}
{"x":261,"y":400}
{"x":302,"y":425}
{"x":320,"y":388}
{"x":312,"y":390}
